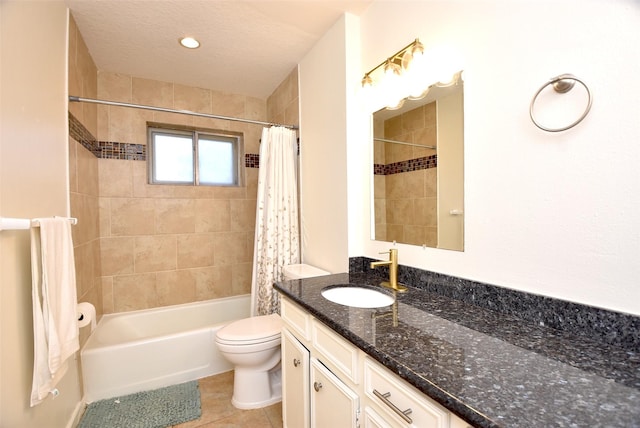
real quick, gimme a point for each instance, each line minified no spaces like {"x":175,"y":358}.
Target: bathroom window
{"x":184,"y":155}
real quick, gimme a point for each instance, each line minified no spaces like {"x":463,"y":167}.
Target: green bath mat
{"x":149,"y":409}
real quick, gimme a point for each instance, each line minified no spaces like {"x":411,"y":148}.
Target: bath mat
{"x":149,"y":409}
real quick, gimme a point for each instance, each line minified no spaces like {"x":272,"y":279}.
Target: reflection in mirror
{"x":418,"y":170}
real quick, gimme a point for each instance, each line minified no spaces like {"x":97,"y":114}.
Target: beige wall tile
{"x":107,"y":295}
{"x":415,"y":235}
{"x":121,"y":124}
{"x":230,"y":248}
{"x":103,"y":123}
{"x":175,"y":287}
{"x":241,"y":279}
{"x":117,"y":255}
{"x":175,"y":215}
{"x":192,"y":99}
{"x":212,"y":215}
{"x":104,"y":209}
{"x":151,"y":92}
{"x":155,"y":253}
{"x":87,"y":165}
{"x":255,"y":109}
{"x":226,"y":104}
{"x":431,"y":182}
{"x":132,"y":216}
{"x":195,"y":250}
{"x":230,"y":192}
{"x":116,"y":178}
{"x":133,"y":292}
{"x":114,"y":87}
{"x":73,"y":165}
{"x":414,"y":185}
{"x":243,"y":214}
{"x":213,"y":282}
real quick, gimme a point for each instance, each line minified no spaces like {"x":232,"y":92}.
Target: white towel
{"x":55,"y":326}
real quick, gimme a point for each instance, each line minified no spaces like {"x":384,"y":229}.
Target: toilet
{"x":252,"y":345}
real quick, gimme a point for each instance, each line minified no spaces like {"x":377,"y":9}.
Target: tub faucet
{"x":393,"y":270}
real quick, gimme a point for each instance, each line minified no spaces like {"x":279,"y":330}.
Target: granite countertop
{"x":489,"y":368}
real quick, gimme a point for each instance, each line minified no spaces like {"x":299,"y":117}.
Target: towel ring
{"x":561,"y":84}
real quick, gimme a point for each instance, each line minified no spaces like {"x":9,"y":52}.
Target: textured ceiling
{"x":247,"y":47}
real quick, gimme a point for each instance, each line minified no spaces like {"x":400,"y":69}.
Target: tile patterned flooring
{"x":218,"y":412}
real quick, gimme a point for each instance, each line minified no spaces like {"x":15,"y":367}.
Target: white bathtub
{"x":142,"y":350}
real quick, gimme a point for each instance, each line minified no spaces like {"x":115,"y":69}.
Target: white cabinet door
{"x":333,"y":404}
{"x":295,"y":382}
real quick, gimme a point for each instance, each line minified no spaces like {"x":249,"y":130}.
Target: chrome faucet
{"x":393,"y":270}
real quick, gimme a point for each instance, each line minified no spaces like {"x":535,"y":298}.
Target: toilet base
{"x":253,"y":390}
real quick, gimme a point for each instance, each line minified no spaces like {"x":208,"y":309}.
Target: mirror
{"x":418,"y":170}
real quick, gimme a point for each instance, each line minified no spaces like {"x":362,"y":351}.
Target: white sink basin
{"x":357,"y":296}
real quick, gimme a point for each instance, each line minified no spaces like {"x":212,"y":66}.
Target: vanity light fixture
{"x":406,"y":63}
{"x":396,"y":63}
{"x":189,"y":42}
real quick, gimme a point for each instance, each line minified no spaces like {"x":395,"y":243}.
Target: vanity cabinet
{"x":295,"y":382}
{"x":333,"y":403}
{"x":329,"y":382}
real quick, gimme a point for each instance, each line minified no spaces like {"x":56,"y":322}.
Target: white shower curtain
{"x":277,"y":234}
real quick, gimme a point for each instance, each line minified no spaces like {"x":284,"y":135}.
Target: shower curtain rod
{"x":385,"y":140}
{"x":168,"y":110}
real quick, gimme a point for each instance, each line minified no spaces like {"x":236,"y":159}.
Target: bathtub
{"x":142,"y":350}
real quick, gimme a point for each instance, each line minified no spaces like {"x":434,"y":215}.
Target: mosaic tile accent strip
{"x":127,"y":151}
{"x":78,"y":132}
{"x":252,"y":160}
{"x":122,"y":151}
{"x":417,"y":164}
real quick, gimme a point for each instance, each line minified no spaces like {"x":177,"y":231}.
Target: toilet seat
{"x":251,"y":331}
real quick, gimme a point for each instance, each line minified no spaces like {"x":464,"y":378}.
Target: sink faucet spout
{"x":393,"y":270}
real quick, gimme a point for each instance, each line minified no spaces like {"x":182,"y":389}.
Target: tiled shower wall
{"x":405,"y":178}
{"x":83,"y":176}
{"x":164,"y":245}
{"x":157,"y":245}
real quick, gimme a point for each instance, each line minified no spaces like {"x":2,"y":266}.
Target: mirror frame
{"x":441,"y":222}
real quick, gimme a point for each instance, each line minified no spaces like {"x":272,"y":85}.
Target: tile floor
{"x":217,"y":410}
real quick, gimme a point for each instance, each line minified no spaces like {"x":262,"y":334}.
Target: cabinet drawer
{"x":335,"y":351}
{"x":412,"y":408}
{"x":297,"y":318}
{"x":373,"y":419}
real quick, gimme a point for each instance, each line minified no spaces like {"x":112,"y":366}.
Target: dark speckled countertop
{"x":492,"y":369}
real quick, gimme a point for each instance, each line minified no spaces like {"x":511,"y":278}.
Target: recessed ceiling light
{"x":189,"y":42}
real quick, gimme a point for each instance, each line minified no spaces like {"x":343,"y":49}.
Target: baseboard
{"x":77,"y":414}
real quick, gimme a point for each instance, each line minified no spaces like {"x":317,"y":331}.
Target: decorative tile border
{"x":614,"y":328}
{"x":78,"y":132}
{"x":252,"y":160}
{"x":417,"y":164}
{"x":124,"y":151}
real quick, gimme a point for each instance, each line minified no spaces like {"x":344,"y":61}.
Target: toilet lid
{"x":252,"y":329}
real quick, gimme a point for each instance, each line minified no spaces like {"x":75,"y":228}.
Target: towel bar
{"x":8,"y":223}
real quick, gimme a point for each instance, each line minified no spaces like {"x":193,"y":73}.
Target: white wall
{"x":552,"y":214}
{"x":323,"y":140}
{"x":33,"y":183}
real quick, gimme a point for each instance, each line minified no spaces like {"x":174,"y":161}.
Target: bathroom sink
{"x":358,"y":296}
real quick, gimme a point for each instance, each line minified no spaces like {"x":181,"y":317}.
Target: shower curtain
{"x":277,"y":234}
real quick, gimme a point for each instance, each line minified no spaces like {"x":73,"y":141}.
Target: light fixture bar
{"x":396,"y":58}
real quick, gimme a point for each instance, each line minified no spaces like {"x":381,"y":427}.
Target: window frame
{"x":236,"y":138}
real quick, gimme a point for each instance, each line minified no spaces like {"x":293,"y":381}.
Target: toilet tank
{"x":302,"y":271}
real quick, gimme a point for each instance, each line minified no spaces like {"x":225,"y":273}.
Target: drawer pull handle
{"x":317,"y":386}
{"x":296,"y":362}
{"x":404,"y":414}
